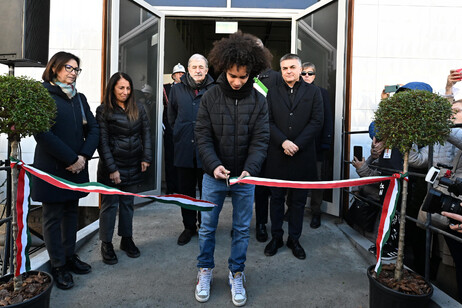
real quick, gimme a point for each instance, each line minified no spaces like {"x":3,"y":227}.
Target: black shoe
{"x":127,"y":245}
{"x":262,"y":235}
{"x":74,"y":264}
{"x":108,"y":254}
{"x":62,"y":277}
{"x":273,"y":246}
{"x":315,"y":221}
{"x":372,"y":249}
{"x":185,"y":236}
{"x":297,"y":249}
{"x":389,"y":252}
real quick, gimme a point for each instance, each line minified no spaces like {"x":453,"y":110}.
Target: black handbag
{"x":362,"y":215}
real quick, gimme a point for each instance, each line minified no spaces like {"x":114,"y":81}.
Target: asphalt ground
{"x":332,"y":275}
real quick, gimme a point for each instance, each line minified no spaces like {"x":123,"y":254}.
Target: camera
{"x":441,"y":197}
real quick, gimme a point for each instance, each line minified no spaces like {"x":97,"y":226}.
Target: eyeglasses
{"x":69,"y":69}
{"x":308,"y":73}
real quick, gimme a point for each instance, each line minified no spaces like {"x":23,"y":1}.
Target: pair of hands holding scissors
{"x":221,"y":173}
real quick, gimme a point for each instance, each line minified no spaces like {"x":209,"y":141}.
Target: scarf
{"x":192,"y":83}
{"x":230,"y":92}
{"x":68,"y":89}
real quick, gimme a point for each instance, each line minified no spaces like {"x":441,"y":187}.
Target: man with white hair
{"x":184,"y":101}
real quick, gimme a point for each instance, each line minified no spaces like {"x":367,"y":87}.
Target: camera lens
{"x":451,"y":205}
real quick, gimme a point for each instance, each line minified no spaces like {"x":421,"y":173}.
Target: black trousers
{"x":262,"y":194}
{"x":456,"y":252}
{"x":188,"y":180}
{"x":60,"y":230}
{"x":171,"y":175}
{"x":296,"y":203}
{"x":317,"y":194}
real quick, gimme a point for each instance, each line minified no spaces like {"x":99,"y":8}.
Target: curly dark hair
{"x":241,"y":49}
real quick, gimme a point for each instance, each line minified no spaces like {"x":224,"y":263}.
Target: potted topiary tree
{"x":26,"y":108}
{"x":407,"y":118}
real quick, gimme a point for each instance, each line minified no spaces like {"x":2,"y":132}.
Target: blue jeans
{"x":215,"y":191}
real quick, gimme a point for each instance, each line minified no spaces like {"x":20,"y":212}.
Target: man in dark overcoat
{"x":296,"y":117}
{"x":184,"y":100}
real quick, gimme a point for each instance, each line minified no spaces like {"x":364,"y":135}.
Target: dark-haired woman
{"x":64,"y":151}
{"x":125,"y":152}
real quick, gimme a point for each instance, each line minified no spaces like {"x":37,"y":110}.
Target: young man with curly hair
{"x":232,"y":134}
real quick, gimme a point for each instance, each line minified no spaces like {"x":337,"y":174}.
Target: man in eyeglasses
{"x":296,"y":117}
{"x":323,"y":143}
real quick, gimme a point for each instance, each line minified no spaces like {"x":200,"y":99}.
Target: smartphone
{"x":358,"y":152}
{"x":392,"y":88}
{"x":460,"y":72}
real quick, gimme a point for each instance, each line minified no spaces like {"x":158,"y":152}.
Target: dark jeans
{"x":60,"y":230}
{"x":242,"y":197}
{"x":296,"y":203}
{"x":188,"y":180}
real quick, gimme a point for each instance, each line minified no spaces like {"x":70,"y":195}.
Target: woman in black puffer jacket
{"x":125,"y":152}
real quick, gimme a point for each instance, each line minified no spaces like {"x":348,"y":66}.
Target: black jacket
{"x":300,"y":123}
{"x":270,"y":78}
{"x":324,"y":139}
{"x":123,"y":145}
{"x":231,"y":132}
{"x":59,"y":147}
{"x":182,"y":112}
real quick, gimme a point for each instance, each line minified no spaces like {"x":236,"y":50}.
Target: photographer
{"x":392,"y":159}
{"x":454,"y":246}
{"x":374,"y":192}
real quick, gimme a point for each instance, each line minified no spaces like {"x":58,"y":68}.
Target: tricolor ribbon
{"x":388,"y":213}
{"x":23,"y":201}
{"x":389,"y":203}
{"x":260,"y":87}
{"x":23,"y":239}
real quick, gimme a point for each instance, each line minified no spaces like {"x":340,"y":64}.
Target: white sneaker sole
{"x":201,"y":299}
{"x":239,"y":304}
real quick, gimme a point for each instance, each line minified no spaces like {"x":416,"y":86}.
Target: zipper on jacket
{"x":236,"y":126}
{"x":75,"y":119}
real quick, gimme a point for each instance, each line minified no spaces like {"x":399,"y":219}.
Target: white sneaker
{"x":204,"y":278}
{"x":236,"y":284}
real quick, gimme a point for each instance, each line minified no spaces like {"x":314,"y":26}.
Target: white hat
{"x":146,"y":89}
{"x":178,"y":69}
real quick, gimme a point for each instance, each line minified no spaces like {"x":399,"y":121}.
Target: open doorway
{"x":184,"y":37}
